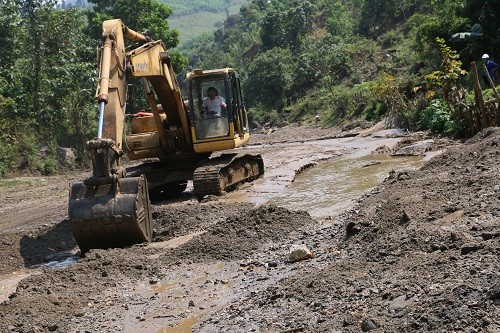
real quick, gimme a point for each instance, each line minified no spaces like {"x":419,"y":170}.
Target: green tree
{"x":53,"y":65}
{"x":379,"y":16}
{"x":141,"y":15}
{"x":48,"y":70}
{"x":9,"y":23}
{"x":146,"y":16}
{"x":339,"y":22}
{"x":285,"y":26}
{"x":270,"y":75}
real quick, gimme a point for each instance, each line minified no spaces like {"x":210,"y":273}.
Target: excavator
{"x":174,"y":141}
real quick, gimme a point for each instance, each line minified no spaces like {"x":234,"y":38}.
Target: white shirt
{"x":213,"y":105}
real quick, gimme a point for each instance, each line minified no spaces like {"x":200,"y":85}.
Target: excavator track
{"x":225,"y":173}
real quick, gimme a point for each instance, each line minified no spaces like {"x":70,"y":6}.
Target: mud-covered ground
{"x":419,"y":253}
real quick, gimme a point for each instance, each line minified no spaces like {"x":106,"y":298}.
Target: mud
{"x":418,"y":253}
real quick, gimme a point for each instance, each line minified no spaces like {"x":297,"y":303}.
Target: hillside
{"x":193,"y":18}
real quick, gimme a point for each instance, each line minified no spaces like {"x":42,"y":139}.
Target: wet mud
{"x":417,"y":253}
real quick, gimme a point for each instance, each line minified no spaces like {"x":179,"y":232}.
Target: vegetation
{"x":337,"y":59}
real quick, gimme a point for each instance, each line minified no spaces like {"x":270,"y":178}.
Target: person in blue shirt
{"x":491,"y":67}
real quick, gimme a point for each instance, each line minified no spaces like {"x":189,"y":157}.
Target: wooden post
{"x":479,"y":99}
{"x":492,"y":84}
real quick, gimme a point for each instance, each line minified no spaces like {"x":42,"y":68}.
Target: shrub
{"x":375,"y":110}
{"x":436,"y":117}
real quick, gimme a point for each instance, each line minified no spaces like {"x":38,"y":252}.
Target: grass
{"x":6,"y":183}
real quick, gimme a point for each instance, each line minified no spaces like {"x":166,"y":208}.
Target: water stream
{"x":334,"y":186}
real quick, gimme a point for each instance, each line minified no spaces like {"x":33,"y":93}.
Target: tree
{"x":9,"y":28}
{"x":47,"y":70}
{"x":379,"y":16}
{"x":269,"y":78}
{"x":141,"y":15}
{"x":286,"y":27}
{"x":339,"y":23}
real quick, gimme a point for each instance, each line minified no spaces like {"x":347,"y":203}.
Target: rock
{"x":66,"y":156}
{"x":299,"y":252}
{"x":489,"y":235}
{"x":398,"y":304}
{"x":352,"y":229}
{"x":494,"y":292}
{"x":469,"y":249}
{"x":272,"y":264}
{"x":349,"y":320}
{"x":415,"y":149}
{"x":405,"y":218}
{"x":368,"y":325}
{"x":52,"y":328}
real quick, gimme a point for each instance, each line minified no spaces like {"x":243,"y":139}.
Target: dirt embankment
{"x":419,"y":253}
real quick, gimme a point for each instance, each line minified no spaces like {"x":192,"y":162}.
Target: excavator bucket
{"x":110,"y":215}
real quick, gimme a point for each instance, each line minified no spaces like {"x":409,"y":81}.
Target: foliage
{"x":141,"y":15}
{"x":445,"y":84}
{"x":186,"y":7}
{"x":387,"y":89}
{"x":339,"y":22}
{"x":264,"y":116}
{"x":345,"y":103}
{"x":285,"y":25}
{"x":374,"y":111}
{"x":437,"y":118}
{"x":380,"y":16}
{"x":446,"y":80}
{"x":271,"y":78}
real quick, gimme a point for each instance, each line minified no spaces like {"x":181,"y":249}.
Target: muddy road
{"x":418,"y":252}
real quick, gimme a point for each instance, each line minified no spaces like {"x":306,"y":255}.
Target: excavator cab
{"x":227,"y":129}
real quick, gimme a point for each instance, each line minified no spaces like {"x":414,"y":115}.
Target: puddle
{"x":183,"y":327}
{"x":334,"y":186}
{"x":60,"y":260}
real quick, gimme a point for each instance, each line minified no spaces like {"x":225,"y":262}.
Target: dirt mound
{"x":239,"y":236}
{"x":420,"y":253}
{"x":171,"y":221}
{"x":31,"y":248}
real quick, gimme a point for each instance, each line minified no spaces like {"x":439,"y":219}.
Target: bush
{"x":375,"y":110}
{"x":437,"y":118}
{"x":346,"y":103}
{"x":263,"y":115}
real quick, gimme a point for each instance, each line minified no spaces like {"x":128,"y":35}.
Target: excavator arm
{"x":107,"y":209}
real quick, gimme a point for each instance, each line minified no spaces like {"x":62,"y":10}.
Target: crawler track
{"x":226,"y":172}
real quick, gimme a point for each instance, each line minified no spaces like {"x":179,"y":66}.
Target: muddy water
{"x":343,"y":170}
{"x":334,"y":186}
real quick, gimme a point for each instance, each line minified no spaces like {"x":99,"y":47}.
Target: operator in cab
{"x":213,"y":104}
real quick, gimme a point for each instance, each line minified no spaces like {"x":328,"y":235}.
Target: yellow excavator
{"x":171,"y":143}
